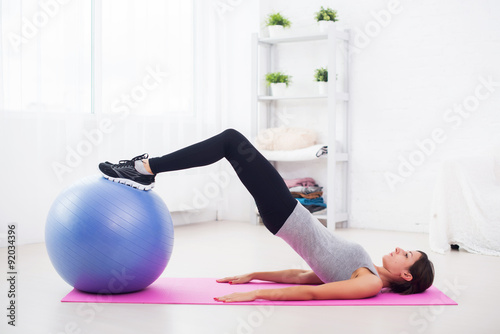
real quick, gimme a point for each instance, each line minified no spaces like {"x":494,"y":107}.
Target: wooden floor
{"x":218,"y":249}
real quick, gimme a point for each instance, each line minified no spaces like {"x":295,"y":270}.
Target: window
{"x":101,"y":56}
{"x":45,"y":63}
{"x":147,"y":56}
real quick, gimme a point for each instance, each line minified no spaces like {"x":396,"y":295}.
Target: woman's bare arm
{"x":294,"y":276}
{"x":363,"y":286}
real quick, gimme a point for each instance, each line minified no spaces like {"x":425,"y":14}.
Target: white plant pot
{"x":278,"y":89}
{"x":276,"y":31}
{"x":322,"y":87}
{"x":323,"y":26}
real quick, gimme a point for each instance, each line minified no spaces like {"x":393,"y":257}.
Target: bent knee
{"x":232,"y":135}
{"x":231,"y":132}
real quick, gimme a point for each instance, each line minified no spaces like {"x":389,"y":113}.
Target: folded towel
{"x":314,"y":201}
{"x":305,"y":190}
{"x":309,"y":196}
{"x":305,"y":182}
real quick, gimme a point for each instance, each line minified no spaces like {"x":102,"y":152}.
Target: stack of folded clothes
{"x":307,"y":192}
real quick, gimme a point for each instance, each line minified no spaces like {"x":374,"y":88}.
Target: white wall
{"x":237,"y":21}
{"x":437,"y":53}
{"x":412,"y":63}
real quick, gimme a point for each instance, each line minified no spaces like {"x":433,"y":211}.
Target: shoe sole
{"x":130,"y":183}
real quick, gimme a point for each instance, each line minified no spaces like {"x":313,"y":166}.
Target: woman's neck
{"x":385,"y":276}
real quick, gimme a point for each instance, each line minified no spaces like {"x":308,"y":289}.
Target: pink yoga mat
{"x":203,"y":290}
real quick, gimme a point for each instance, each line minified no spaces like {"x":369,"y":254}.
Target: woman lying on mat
{"x":340,"y":269}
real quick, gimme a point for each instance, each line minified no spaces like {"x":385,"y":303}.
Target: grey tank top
{"x":332,"y":258}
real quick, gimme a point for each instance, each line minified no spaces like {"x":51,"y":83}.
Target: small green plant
{"x":276,"y":19}
{"x":326,"y":15}
{"x":321,"y":74}
{"x":278,"y":77}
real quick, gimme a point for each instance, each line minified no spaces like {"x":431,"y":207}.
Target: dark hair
{"x":423,"y":276}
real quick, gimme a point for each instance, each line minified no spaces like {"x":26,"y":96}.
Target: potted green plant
{"x":325,"y":17}
{"x":276,"y":23}
{"x":278,"y":81}
{"x":321,"y":77}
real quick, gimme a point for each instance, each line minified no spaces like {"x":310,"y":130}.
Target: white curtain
{"x":154,"y":105}
{"x":466,"y":206}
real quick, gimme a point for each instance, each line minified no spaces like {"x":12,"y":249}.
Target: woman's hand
{"x":239,"y":279}
{"x":249,"y":296}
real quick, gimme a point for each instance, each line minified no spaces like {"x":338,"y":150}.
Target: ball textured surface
{"x":104,"y":237}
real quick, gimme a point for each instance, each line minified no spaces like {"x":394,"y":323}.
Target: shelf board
{"x":339,"y":96}
{"x":291,"y":39}
{"x":323,"y":214}
{"x":305,"y":154}
{"x":339,"y":216}
{"x":303,"y":38}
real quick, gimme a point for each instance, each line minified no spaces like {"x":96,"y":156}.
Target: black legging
{"x":273,"y":199}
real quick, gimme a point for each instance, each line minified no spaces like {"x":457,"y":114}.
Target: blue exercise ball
{"x":107,"y":238}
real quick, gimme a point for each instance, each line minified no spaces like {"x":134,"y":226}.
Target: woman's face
{"x":399,"y":261}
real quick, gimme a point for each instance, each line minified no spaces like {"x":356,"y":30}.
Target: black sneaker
{"x":125,"y":172}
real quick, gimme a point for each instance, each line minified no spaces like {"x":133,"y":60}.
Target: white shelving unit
{"x":331,"y":39}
